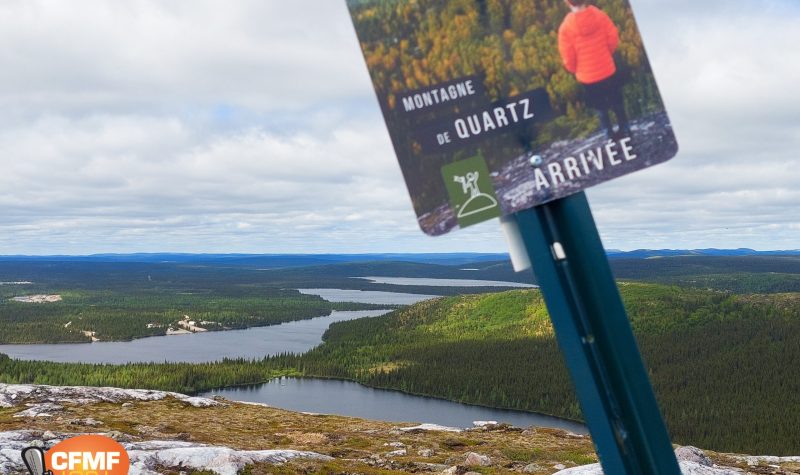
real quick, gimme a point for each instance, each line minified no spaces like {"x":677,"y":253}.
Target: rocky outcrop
{"x":168,"y":433}
{"x":756,"y":460}
{"x":474,"y":458}
{"x":692,"y":460}
{"x":43,"y":401}
{"x":687,"y":468}
{"x":693,"y":454}
{"x":429,"y":428}
{"x":148,"y":457}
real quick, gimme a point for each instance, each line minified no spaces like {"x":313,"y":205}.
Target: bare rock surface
{"x":147,"y":457}
{"x":207,"y":434}
{"x":426,"y":453}
{"x":687,"y":468}
{"x":692,"y":461}
{"x":43,"y":409}
{"x":44,"y":400}
{"x":476,"y":459}
{"x":430,"y":428}
{"x":480,"y":424}
{"x":693,"y":454}
{"x":754,"y":460}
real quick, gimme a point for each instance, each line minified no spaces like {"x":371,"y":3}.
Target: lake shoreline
{"x":177,"y":333}
{"x":578,"y":426}
{"x":188,"y":332}
{"x":329,"y":378}
{"x":254,"y":343}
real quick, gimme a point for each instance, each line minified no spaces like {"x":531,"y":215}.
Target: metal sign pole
{"x":595,"y":336}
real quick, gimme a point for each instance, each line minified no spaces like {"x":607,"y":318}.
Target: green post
{"x":595,"y":336}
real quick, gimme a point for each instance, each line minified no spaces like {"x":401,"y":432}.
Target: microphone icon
{"x":34,"y":460}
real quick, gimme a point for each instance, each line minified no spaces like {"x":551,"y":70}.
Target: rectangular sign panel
{"x":495,"y":106}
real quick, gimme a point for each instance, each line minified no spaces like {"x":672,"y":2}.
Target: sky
{"x":251,"y":126}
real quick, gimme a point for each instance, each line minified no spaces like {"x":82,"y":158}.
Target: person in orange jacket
{"x":587,"y":40}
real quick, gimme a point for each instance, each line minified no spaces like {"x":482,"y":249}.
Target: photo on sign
{"x":542,"y":98}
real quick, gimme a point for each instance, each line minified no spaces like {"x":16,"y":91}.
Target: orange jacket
{"x":586,"y":40}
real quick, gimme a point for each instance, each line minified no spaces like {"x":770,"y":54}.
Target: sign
{"x":88,"y":455}
{"x":497,"y":106}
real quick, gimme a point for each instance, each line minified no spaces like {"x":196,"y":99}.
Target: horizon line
{"x":313,"y":254}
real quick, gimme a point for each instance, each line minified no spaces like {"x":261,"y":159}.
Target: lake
{"x":352,"y":399}
{"x":308,"y":395}
{"x":298,"y":336}
{"x":367,"y":296}
{"x":445,"y":282}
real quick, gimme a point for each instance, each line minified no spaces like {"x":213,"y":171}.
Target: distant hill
{"x":725,"y":368}
{"x":739,"y":271}
{"x":270,"y":260}
{"x":655,"y":253}
{"x":273,"y":261}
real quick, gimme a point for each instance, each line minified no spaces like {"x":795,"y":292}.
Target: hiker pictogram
{"x":471,"y":191}
{"x":478,"y":201}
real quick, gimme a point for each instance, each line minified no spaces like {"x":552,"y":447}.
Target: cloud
{"x":131,"y":176}
{"x":105,"y":56}
{"x":730,"y":88}
{"x":252,"y":127}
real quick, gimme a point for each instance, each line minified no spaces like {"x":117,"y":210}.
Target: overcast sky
{"x":251,"y":126}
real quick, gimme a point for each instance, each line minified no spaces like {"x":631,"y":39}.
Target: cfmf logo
{"x":82,"y":455}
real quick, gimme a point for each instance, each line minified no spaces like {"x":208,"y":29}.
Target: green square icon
{"x":471,"y":192}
